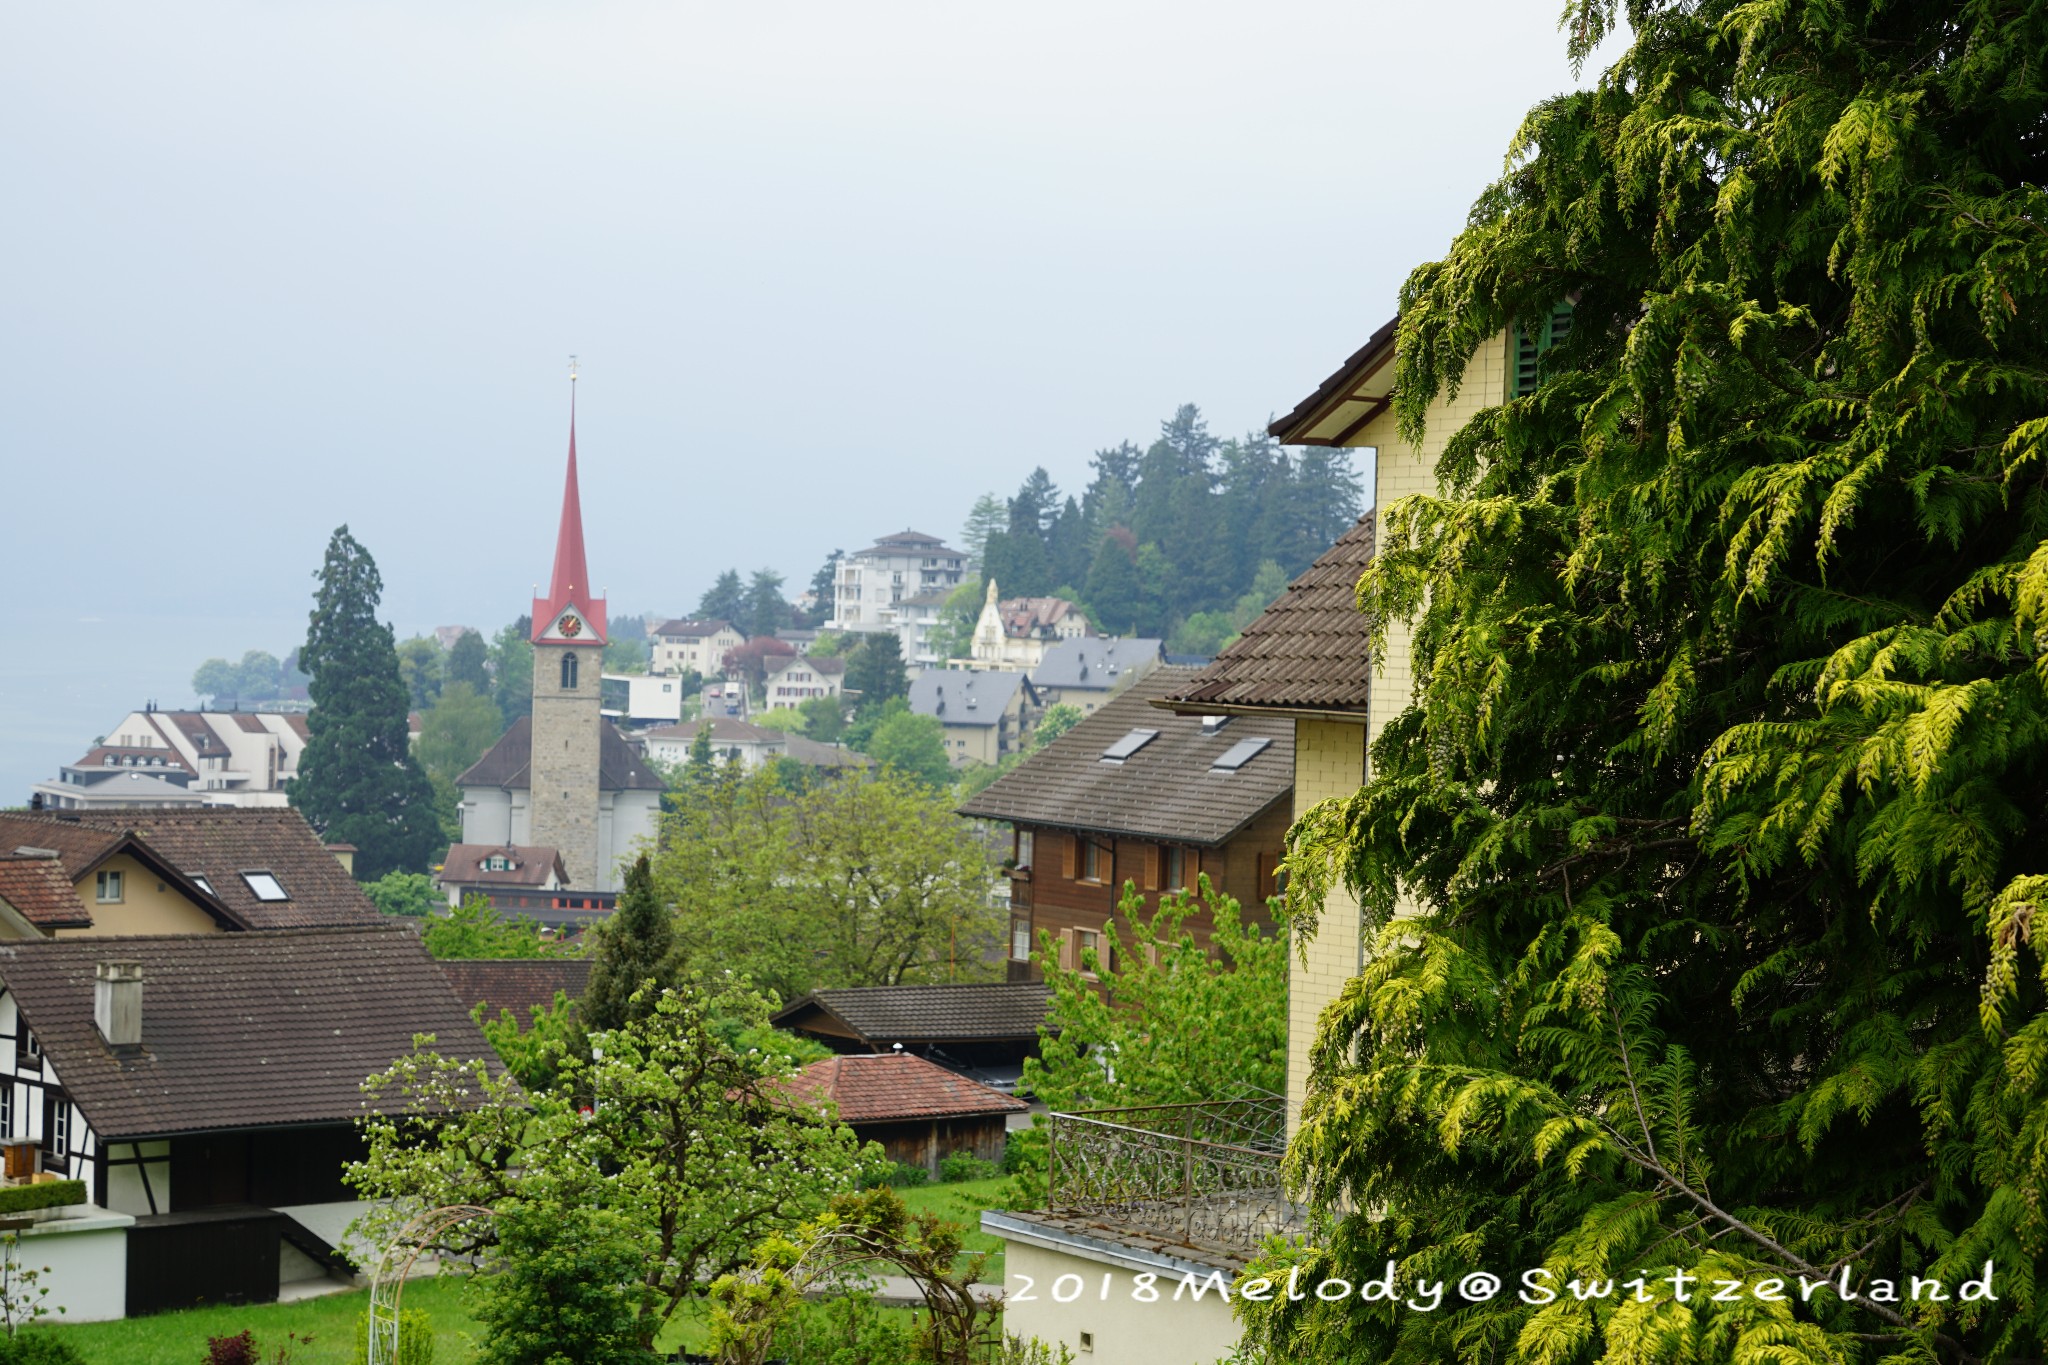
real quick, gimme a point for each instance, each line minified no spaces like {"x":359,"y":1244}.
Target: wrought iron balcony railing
{"x":1196,"y":1174}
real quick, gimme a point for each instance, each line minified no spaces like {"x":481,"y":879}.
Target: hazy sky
{"x":832,"y":269}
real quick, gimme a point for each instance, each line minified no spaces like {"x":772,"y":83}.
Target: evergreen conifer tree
{"x":357,"y":781}
{"x":875,"y":669}
{"x":725,"y":600}
{"x":466,"y":663}
{"x":635,"y":946}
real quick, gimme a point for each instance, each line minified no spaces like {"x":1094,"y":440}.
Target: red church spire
{"x":569,"y":589}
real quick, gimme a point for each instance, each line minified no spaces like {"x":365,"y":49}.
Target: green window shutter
{"x":1531,"y":343}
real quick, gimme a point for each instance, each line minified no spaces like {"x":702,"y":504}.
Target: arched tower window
{"x":568,"y":672}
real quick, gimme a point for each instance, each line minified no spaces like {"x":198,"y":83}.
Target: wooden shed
{"x":919,"y":1111}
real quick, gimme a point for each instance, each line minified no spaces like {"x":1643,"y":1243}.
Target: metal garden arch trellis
{"x":419,"y":1232}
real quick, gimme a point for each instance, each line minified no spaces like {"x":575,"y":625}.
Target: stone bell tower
{"x":569,"y":633}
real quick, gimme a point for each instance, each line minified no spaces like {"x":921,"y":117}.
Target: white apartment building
{"x":900,"y":584}
{"x":687,"y":646}
{"x":223,"y":758}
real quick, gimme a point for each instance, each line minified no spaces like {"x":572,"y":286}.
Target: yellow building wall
{"x":1331,"y":757}
{"x":148,"y":905}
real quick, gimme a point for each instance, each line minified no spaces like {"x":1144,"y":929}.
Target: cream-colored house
{"x":984,"y":715}
{"x":217,"y":758}
{"x":687,"y":646}
{"x":1016,"y":633}
{"x":1117,"y":1206}
{"x":794,"y":680}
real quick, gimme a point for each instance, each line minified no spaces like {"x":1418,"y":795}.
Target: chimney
{"x":117,"y":1003}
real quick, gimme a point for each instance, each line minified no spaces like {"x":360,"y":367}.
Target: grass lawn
{"x":963,"y":1204}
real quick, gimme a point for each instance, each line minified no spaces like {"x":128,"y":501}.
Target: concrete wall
{"x":88,"y":1265}
{"x":1117,"y":1330}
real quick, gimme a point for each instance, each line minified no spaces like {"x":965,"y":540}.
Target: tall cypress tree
{"x":357,"y":781}
{"x":635,"y":946}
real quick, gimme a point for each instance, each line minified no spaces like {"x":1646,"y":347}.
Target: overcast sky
{"x":832,"y":269}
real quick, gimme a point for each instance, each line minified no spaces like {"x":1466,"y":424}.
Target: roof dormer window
{"x":265,"y":887}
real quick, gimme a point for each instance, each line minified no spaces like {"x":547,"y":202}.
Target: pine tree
{"x":725,"y":600}
{"x":635,"y":946}
{"x":467,"y":663}
{"x":874,"y":669}
{"x":1720,"y":806}
{"x":1116,"y":597}
{"x":357,"y":781}
{"x":984,"y":519}
{"x":763,"y":612}
{"x":512,"y":669}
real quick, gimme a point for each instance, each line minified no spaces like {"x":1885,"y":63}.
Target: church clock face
{"x":570,"y":626}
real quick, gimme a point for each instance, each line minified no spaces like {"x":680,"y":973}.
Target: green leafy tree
{"x":1118,"y":599}
{"x":626,"y":655}
{"x":409,"y":895}
{"x":456,"y":731}
{"x":1717,"y":811}
{"x":358,"y":782}
{"x":568,"y":1287}
{"x":688,"y":1148}
{"x":953,"y":637}
{"x":874,"y":669}
{"x":823,"y":589}
{"x":474,"y":929}
{"x":824,"y":718}
{"x":512,"y":670}
{"x":635,"y":946}
{"x":848,"y":881}
{"x":725,"y":600}
{"x":533,"y":1048}
{"x":914,"y":746}
{"x":1058,"y":718}
{"x":217,"y":682}
{"x":423,"y":668}
{"x":764,"y":611}
{"x":469,"y":663}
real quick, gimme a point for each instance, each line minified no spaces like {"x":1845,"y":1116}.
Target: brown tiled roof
{"x":870,"y":1089}
{"x":519,"y":984}
{"x":220,"y":843}
{"x":619,"y":765}
{"x":238,"y":1030}
{"x":942,"y":1013}
{"x":1169,"y":789}
{"x":80,"y":845}
{"x":724,"y":729}
{"x":1342,"y":404}
{"x":1307,"y":652}
{"x":530,"y":865}
{"x":823,"y":755}
{"x":158,"y":760}
{"x":689,"y":628}
{"x":40,"y":892}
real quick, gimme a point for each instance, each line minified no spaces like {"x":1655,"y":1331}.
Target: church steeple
{"x":569,"y":588}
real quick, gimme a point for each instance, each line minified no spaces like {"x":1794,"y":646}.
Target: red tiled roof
{"x":530,"y":865}
{"x":41,"y":893}
{"x":897,"y":1085}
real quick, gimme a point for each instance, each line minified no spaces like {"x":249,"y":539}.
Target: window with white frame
{"x":265,"y":887}
{"x":60,"y":1126}
{"x":107,"y":887}
{"x":7,"y":1109}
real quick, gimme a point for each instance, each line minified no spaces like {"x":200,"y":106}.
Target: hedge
{"x":48,"y":1195}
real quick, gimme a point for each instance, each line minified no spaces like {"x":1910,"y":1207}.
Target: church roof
{"x":619,"y":768}
{"x":571,"y":582}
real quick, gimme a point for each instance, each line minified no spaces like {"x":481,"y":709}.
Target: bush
{"x":901,"y":1175}
{"x":567,"y":1285}
{"x":848,"y":1330}
{"x":38,"y":1348}
{"x":48,"y":1195}
{"x":239,"y":1349}
{"x":415,"y":1338}
{"x":965,"y":1166}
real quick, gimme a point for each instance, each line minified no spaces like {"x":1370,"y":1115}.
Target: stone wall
{"x":563,"y":771}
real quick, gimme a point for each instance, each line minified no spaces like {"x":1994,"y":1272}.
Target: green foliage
{"x":958,"y":1166}
{"x":851,"y":881}
{"x":532,"y":1049}
{"x":511,"y":659}
{"x":258,"y":677}
{"x":953,"y":636}
{"x":902,"y":1175}
{"x":824,"y":718}
{"x":1719,"y":806}
{"x":874,"y":669}
{"x":411,"y":895}
{"x":637,"y":945}
{"x":22,"y":1290}
{"x":624,"y":655}
{"x":457,"y":731}
{"x":785,"y":718}
{"x":765,"y":610}
{"x":38,"y":1347}
{"x":912,"y":745}
{"x":469,"y":662}
{"x":1059,"y":718}
{"x":567,"y":1289}
{"x":415,"y":1335}
{"x":988,"y":516}
{"x":50,"y":1194}
{"x":663,"y":1151}
{"x":725,"y":600}
{"x":473,"y":929}
{"x":358,"y":782}
{"x":423,"y":669}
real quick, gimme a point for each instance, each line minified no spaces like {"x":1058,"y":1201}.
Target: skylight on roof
{"x":265,"y":887}
{"x":204,"y":885}
{"x":1128,"y":745}
{"x":1238,"y":754}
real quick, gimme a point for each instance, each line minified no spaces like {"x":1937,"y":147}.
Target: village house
{"x":214,"y":870}
{"x":982,"y":1029}
{"x":918,"y":1111}
{"x":899,"y":584}
{"x":1087,"y":671}
{"x":1133,"y":795}
{"x":1305,"y":662}
{"x":687,"y":646}
{"x":488,"y":870}
{"x":750,"y":746}
{"x":204,"y":1091}
{"x":795,"y":680}
{"x":985,"y":716}
{"x":218,"y":758}
{"x":1016,"y":633}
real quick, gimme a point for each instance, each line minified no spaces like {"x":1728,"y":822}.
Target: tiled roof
{"x":882,"y":1089}
{"x":958,"y":696}
{"x":1168,"y":789}
{"x":79,"y":844}
{"x":40,"y":892}
{"x":693,"y":629}
{"x":823,"y":755}
{"x":1307,"y":652}
{"x":619,"y":766}
{"x":160,"y":760}
{"x":724,"y":730}
{"x":1095,"y":662}
{"x":238,"y":1030}
{"x":828,"y":664}
{"x":1023,"y":617}
{"x":943,"y":1013}
{"x":221,"y":843}
{"x":519,"y":984}
{"x":530,"y":865}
